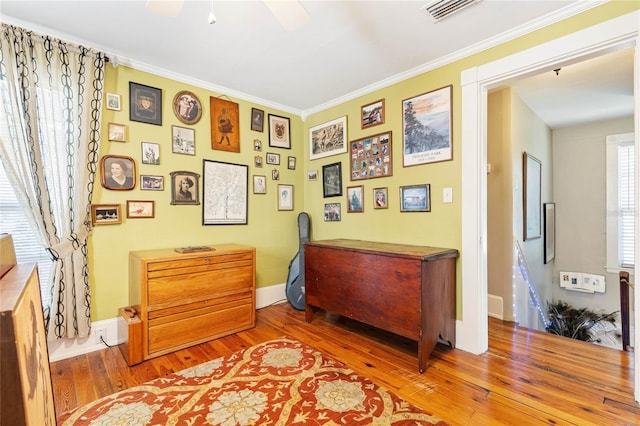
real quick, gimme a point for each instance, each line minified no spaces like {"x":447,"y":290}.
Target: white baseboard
{"x":495,"y":306}
{"x":60,"y":349}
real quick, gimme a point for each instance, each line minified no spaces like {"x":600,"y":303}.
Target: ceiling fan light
{"x":166,"y":8}
{"x":290,"y":14}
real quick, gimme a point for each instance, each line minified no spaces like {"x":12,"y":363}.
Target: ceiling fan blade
{"x":166,"y":8}
{"x":290,"y":14}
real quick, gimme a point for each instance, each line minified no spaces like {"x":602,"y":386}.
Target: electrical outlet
{"x":101,"y":335}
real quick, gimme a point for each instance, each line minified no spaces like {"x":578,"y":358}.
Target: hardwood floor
{"x":526,"y":377}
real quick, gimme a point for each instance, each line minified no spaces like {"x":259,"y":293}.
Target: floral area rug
{"x":279,"y":382}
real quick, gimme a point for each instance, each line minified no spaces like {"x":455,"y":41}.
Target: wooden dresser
{"x":183,"y":299}
{"x":405,"y":289}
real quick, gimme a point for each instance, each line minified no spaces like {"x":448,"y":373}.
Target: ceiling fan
{"x":290,"y":14}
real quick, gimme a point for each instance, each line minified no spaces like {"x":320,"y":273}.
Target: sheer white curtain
{"x":51,"y":97}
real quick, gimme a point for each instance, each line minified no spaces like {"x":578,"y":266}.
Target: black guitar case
{"x":294,"y":288}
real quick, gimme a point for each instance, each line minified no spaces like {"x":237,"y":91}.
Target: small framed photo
{"x":113,"y":101}
{"x":291,"y":163}
{"x":138,"y":209}
{"x":259,"y":184}
{"x":258,"y":160}
{"x":328,"y":138}
{"x":105,"y":214}
{"x":183,"y":140}
{"x":355,"y":202}
{"x":151,"y":183}
{"x":117,"y":132}
{"x":184,"y":188}
{"x":279,"y":132}
{"x":150,"y":153}
{"x":332,"y":212}
{"x":415,"y":198}
{"x":275,"y":174}
{"x":145,"y":104}
{"x":380,"y":198}
{"x":118,"y":172}
{"x":372,"y":114}
{"x":257,"y":145}
{"x":257,"y":120}
{"x":312,"y":175}
{"x":285,"y":197}
{"x":332,"y":180}
{"x":187,"y":107}
{"x":273,"y":158}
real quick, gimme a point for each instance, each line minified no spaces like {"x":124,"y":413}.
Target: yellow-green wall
{"x":274,"y":233}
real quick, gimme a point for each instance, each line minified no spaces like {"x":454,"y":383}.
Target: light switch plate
{"x":447,"y":195}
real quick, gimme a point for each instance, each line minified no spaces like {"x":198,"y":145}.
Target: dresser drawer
{"x":198,"y":264}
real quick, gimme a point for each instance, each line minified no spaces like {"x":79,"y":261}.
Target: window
{"x":620,"y":202}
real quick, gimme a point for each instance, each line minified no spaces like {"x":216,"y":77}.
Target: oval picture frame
{"x":187,"y":107}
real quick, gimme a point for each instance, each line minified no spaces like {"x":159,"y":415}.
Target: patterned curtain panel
{"x":50,"y":109}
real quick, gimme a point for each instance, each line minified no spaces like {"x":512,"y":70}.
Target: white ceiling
{"x":345,"y":49}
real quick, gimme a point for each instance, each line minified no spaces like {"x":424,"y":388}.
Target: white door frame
{"x":617,"y":33}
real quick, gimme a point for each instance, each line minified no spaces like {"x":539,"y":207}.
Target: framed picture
{"x":312,"y":175}
{"x":355,"y":201}
{"x":291,"y":163}
{"x":426,"y":128}
{"x":273,"y":158}
{"x":183,"y":140}
{"x":549,"y":232}
{"x":380,"y":198}
{"x":285,"y":197}
{"x":532,"y":198}
{"x":257,"y":145}
{"x":118,"y":172}
{"x":415,"y":198}
{"x":328,"y":138}
{"x":145,"y":104}
{"x":371,"y":157}
{"x":117,"y":132}
{"x":184,"y":188}
{"x":259,"y":184}
{"x":275,"y":174}
{"x":138,"y":209}
{"x":258,"y":160}
{"x":225,"y":125}
{"x":279,"y":132}
{"x":113,"y":101}
{"x":187,"y":107}
{"x":105,"y":214}
{"x":225,"y":193}
{"x":257,"y":120}
{"x":372,"y":114}
{"x":332,"y":180}
{"x":150,"y":153}
{"x":151,"y":183}
{"x":332,"y":212}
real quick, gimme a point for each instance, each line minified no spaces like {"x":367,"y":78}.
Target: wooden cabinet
{"x":188,"y":298}
{"x":407,"y":290}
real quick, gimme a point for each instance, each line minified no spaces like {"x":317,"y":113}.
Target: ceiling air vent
{"x":440,"y":9}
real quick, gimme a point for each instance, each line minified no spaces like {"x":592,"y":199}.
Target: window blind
{"x":626,"y":204}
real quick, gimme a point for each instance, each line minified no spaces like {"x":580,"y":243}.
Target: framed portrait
{"x":371,"y":157}
{"x":259,"y":184}
{"x":184,"y":188}
{"x":145,"y":104}
{"x":332,"y":212}
{"x":332,"y":180}
{"x":225,"y":193}
{"x":415,"y":198}
{"x":328,"y":138}
{"x":118,"y":172}
{"x":150,"y":153}
{"x":285,"y":197}
{"x":257,"y":120}
{"x":549,"y":232}
{"x":275,"y":174}
{"x":258,"y":160}
{"x":183,"y":140}
{"x":139,"y":209}
{"x":151,"y":183}
{"x":372,"y":114}
{"x":257,"y":145}
{"x":117,"y":132}
{"x":532,"y":197}
{"x":273,"y":158}
{"x":380,"y":198}
{"x":426,"y":128}
{"x":105,"y":214}
{"x":312,"y":175}
{"x":225,"y":125}
{"x":187,"y":107}
{"x":355,"y":199}
{"x":291,"y":163}
{"x":113,"y":101}
{"x":279,"y":132}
